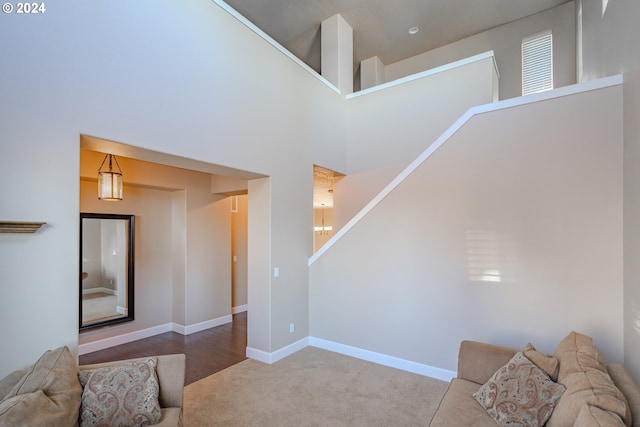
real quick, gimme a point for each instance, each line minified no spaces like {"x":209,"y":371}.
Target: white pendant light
{"x":110,"y":181}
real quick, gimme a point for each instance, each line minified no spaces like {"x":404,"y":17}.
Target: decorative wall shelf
{"x":20,"y":227}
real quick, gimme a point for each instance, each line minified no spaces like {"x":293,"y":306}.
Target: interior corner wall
{"x":259,"y":260}
{"x":608,"y":39}
{"x":608,"y":45}
{"x":173,"y":77}
{"x":501,"y":224}
{"x":178,"y":256}
{"x":506,"y":42}
{"x":208,"y":271}
{"x":239,"y":223}
{"x":391,"y":127}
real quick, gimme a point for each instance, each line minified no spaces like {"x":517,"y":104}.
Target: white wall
{"x":535,"y":201}
{"x":506,"y":42}
{"x":608,"y":44}
{"x":173,"y":77}
{"x":239,"y":223}
{"x":389,"y":128}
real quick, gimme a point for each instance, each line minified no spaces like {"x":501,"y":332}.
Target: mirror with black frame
{"x":106,"y":269}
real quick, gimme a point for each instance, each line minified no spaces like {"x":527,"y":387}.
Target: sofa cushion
{"x":583,"y":373}
{"x":519,"y":393}
{"x":592,"y":416}
{"x":9,"y":382}
{"x":47,"y":394}
{"x":625,"y":383}
{"x":458,"y":408}
{"x":547,"y":363}
{"x":124,"y":394}
{"x":577,"y":353}
{"x":478,"y":361}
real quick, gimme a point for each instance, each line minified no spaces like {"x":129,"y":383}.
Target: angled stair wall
{"x":507,"y":229}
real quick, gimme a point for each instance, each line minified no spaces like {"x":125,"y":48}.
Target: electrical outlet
{"x":292,"y":328}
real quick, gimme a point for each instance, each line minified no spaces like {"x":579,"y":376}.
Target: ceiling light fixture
{"x":323,"y":229}
{"x":413,"y":30}
{"x":110,"y":181}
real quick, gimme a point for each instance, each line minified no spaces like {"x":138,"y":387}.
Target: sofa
{"x":55,"y":391}
{"x":576,"y":387}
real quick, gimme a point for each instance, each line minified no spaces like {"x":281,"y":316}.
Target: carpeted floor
{"x":98,"y":306}
{"x":312,"y":387}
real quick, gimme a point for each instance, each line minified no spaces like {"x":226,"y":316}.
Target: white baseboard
{"x":239,"y":309}
{"x":270,"y":358}
{"x":197,"y":327}
{"x":98,"y":290}
{"x":123,"y":339}
{"x":149,"y":332}
{"x":383,"y":359}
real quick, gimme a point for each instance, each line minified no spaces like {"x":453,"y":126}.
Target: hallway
{"x":207,"y":352}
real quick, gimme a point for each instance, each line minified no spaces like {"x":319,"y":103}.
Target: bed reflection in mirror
{"x":106,"y":269}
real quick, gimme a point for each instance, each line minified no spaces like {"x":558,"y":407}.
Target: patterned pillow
{"x":121,"y":395}
{"x":519,"y":394}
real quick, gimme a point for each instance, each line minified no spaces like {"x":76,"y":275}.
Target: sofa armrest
{"x":170,"y":371}
{"x":478,"y":361}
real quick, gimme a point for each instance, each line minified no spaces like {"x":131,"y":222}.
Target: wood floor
{"x":207,"y":351}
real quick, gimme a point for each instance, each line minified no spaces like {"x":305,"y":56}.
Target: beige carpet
{"x":98,"y":306}
{"x":312,"y":387}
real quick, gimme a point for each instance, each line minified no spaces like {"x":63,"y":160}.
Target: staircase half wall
{"x":508,"y":229}
{"x":390,"y":125}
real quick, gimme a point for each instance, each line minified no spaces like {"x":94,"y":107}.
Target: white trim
{"x":496,"y":106}
{"x":98,"y":290}
{"x":429,"y":72}
{"x":385,"y":360}
{"x":197,"y":327}
{"x":90,"y":347}
{"x":124,"y":338}
{"x":274,"y":43}
{"x":121,"y":310}
{"x":358,"y":353}
{"x":239,"y":309}
{"x":270,"y":358}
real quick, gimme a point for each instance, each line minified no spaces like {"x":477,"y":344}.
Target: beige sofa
{"x":50,"y":393}
{"x":596,"y":393}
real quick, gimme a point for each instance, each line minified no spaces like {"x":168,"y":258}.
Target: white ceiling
{"x":381,"y":27}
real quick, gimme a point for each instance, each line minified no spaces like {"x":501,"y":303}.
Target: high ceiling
{"x":381,"y":27}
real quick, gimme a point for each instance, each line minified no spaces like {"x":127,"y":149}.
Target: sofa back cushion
{"x":548,"y":364}
{"x":478,"y":361}
{"x":592,"y":416}
{"x":584,"y":374}
{"x":47,"y":394}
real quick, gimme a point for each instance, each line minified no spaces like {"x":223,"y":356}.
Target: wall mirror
{"x":106,"y":269}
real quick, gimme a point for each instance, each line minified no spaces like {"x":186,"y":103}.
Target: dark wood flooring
{"x":207,"y":352}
